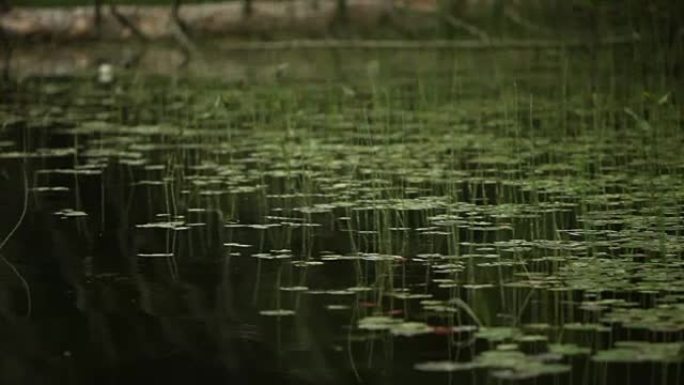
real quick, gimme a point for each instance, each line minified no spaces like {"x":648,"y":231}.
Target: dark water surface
{"x":341,"y":217}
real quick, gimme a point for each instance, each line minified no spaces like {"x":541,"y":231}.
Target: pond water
{"x":341,"y":216}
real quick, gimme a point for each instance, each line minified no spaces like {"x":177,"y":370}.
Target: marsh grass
{"x":413,"y":214}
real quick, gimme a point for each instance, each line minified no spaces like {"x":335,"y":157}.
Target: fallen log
{"x":296,"y":17}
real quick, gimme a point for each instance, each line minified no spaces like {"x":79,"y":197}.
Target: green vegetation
{"x":385,"y":217}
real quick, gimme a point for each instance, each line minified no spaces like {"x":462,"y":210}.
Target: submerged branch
{"x":518,"y":20}
{"x":467,"y":27}
{"x":126,"y":23}
{"x":179,"y":33}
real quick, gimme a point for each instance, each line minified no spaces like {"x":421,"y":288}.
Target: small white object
{"x":105,"y":73}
